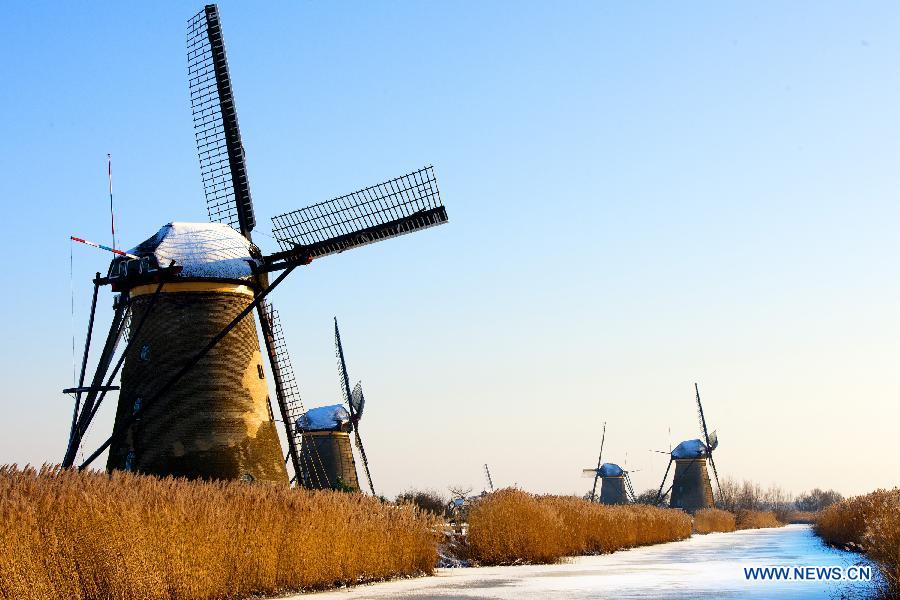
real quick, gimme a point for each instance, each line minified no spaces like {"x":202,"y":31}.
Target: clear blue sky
{"x":642,"y":195}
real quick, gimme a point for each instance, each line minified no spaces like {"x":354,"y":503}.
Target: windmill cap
{"x":202,"y":250}
{"x":690,"y":449}
{"x":610,"y":470}
{"x":324,"y":418}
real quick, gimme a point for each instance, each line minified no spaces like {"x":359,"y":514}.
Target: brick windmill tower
{"x":194,"y":392}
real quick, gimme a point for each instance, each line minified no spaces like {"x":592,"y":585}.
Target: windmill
{"x":691,"y":489}
{"x":616,"y":487}
{"x":194,"y":398}
{"x":326,"y":449}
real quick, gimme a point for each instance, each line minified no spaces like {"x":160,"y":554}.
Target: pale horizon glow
{"x":640,"y":197}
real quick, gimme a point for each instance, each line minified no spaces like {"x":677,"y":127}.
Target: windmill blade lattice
{"x":216,"y":130}
{"x":358,"y":400}
{"x":348,"y":398}
{"x":396,"y":207}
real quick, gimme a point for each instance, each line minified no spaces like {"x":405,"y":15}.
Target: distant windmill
{"x":691,"y":488}
{"x":326,"y":457}
{"x":194,"y":400}
{"x":616,"y":487}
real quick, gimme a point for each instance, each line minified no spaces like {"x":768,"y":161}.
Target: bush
{"x":800,"y":516}
{"x":512,"y":526}
{"x":871,"y":524}
{"x":425,"y":500}
{"x":65,"y":534}
{"x":709,"y":520}
{"x":756,"y":519}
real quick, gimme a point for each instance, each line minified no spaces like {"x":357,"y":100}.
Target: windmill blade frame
{"x":663,"y":482}
{"x":709,"y":446}
{"x":396,"y":207}
{"x":217,"y":134}
{"x":358,"y":400}
{"x":599,"y":464}
{"x":348,"y":398}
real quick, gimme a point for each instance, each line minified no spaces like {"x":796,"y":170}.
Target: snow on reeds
{"x":709,"y":520}
{"x":89,"y":536}
{"x":512,"y":526}
{"x":871,"y":524}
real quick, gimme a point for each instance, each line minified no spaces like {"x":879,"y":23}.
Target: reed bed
{"x":869,"y":524}
{"x":756,"y":519}
{"x":807,"y":517}
{"x":711,"y":520}
{"x":88,"y":536}
{"x":511,"y":526}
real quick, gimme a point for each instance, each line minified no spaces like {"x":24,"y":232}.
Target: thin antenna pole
{"x":112,"y":215}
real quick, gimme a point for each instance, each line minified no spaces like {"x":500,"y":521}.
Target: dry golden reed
{"x":512,"y":526}
{"x":871,"y":524}
{"x":87,"y":536}
{"x":710,"y":520}
{"x":756,"y":519}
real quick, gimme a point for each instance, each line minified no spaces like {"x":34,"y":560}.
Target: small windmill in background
{"x":616,"y":487}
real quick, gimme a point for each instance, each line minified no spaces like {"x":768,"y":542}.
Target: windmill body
{"x":691,"y":487}
{"x":217,"y":423}
{"x":612,"y":484}
{"x":326,"y":456}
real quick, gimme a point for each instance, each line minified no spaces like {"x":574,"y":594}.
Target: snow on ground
{"x":708,"y":566}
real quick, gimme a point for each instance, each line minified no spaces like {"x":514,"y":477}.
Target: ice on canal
{"x":704,"y":566}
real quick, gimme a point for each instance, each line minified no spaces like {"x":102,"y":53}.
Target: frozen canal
{"x":708,"y":566}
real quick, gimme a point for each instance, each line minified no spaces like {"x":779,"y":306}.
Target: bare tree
{"x":817,"y":499}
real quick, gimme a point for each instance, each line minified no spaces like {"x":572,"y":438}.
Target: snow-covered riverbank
{"x":709,"y":566}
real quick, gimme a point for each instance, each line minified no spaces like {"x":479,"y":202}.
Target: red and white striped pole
{"x":102,"y":247}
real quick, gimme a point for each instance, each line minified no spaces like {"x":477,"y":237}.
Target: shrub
{"x":800,"y":516}
{"x":426,"y":500}
{"x":709,"y":520}
{"x":756,"y":519}
{"x":513,"y":526}
{"x":871,"y":524}
{"x":65,"y":534}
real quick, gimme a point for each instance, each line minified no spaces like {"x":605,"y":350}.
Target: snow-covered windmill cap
{"x":690,"y":449}
{"x":323,"y":418}
{"x":202,"y":250}
{"x":610,"y":470}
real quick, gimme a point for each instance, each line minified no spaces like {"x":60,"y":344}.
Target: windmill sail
{"x":290,"y":403}
{"x":358,"y":400}
{"x":216,"y":130}
{"x":349,"y":399}
{"x":711,"y":441}
{"x":396,"y":207}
